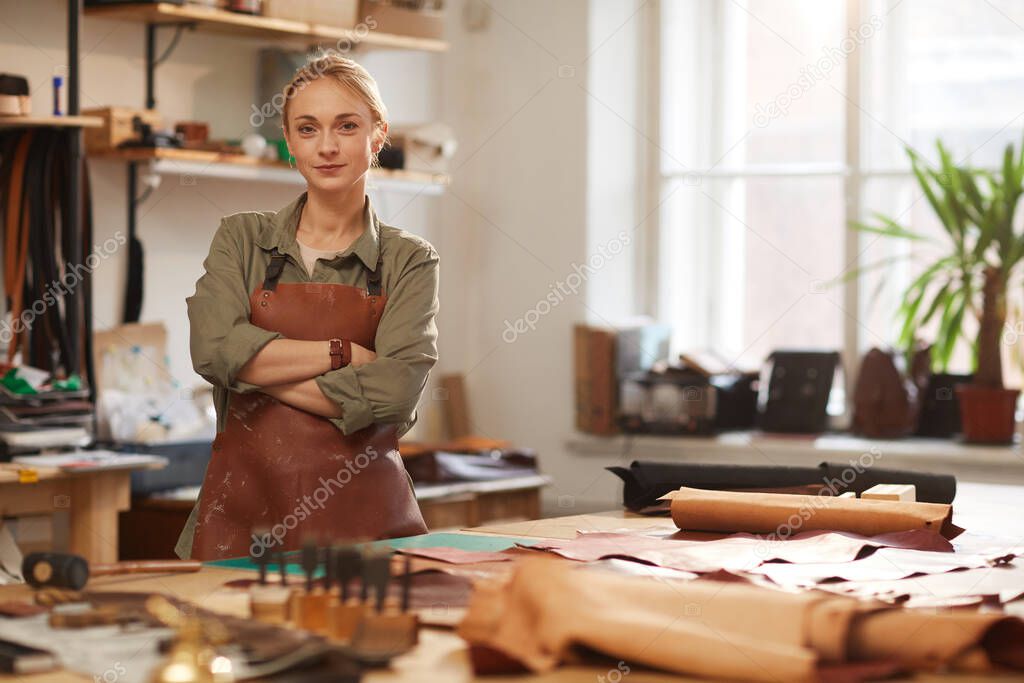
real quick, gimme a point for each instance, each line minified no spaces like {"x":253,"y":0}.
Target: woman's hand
{"x":284,"y":361}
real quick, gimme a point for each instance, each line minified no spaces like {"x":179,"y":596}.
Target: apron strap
{"x":274,"y":269}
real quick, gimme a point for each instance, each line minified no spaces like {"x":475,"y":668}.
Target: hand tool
{"x":64,"y":570}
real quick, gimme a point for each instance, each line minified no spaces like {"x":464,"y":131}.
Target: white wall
{"x":517,"y":92}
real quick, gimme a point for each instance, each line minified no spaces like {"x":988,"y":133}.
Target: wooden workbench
{"x":442,"y":656}
{"x":93,"y":499}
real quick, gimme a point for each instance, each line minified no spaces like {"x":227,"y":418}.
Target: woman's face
{"x":331,"y":134}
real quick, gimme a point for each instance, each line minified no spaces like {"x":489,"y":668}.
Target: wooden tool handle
{"x":146,"y":566}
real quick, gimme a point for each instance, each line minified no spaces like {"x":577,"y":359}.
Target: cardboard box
{"x":294,"y":10}
{"x":596,"y":382}
{"x":334,"y":13}
{"x":425,"y":23}
{"x":117,"y":126}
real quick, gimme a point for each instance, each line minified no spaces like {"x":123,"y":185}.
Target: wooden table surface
{"x":441,"y":656}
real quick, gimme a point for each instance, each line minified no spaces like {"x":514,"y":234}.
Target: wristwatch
{"x":341,"y":353}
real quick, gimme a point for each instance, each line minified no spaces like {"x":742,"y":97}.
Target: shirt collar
{"x":280,"y":232}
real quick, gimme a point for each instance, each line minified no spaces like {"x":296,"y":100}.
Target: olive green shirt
{"x":222,"y":339}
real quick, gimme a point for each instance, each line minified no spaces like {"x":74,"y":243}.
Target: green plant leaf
{"x":949,"y":328}
{"x":940,"y":297}
{"x":855,"y":273}
{"x":924,"y":177}
{"x":890,"y":228}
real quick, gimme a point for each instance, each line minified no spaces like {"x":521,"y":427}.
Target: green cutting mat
{"x":471,"y":542}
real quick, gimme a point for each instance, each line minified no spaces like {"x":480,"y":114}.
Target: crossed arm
{"x":286,"y":368}
{"x":380,"y":386}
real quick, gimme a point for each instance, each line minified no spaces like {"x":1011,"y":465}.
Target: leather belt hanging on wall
{"x":46,"y":296}
{"x":134,"y":281}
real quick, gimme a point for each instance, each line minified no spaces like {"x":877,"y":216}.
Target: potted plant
{"x":976,"y":209}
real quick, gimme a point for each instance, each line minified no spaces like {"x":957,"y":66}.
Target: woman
{"x":316,"y":327}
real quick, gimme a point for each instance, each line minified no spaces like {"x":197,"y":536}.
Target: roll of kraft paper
{"x":784,"y":514}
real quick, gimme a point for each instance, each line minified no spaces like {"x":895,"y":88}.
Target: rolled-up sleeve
{"x":388,"y":389}
{"x":221,"y":337}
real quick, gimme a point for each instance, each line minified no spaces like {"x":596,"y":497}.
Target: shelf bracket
{"x":152,"y":61}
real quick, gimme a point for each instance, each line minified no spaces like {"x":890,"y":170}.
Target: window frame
{"x":853,"y":170}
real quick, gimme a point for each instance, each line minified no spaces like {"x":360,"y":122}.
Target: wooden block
{"x":343,"y":620}
{"x":902,"y":492}
{"x":581,"y":363}
{"x":596,"y":382}
{"x":117,"y":126}
{"x":848,"y":494}
{"x":385,"y":635}
{"x":309,"y":610}
{"x":456,"y":408}
{"x":604,"y":382}
{"x":270,"y":604}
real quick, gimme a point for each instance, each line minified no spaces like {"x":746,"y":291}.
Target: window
{"x":783,"y":120}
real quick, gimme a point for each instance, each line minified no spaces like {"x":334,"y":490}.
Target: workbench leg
{"x":95,"y":501}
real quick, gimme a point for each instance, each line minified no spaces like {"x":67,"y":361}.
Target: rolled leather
{"x":782,"y":514}
{"x":646,"y":482}
{"x":726,"y":630}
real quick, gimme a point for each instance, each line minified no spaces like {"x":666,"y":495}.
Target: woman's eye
{"x":348,"y":125}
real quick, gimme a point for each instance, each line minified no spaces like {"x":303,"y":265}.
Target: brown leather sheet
{"x":885,"y":564}
{"x":550,"y":609}
{"x":741,"y":552}
{"x":1001,"y":584}
{"x":457,"y":555}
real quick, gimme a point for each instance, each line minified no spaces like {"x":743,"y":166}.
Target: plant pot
{"x":987,"y":415}
{"x":940,"y":410}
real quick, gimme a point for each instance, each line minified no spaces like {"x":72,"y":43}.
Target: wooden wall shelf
{"x":270,"y":28}
{"x":240,"y":167}
{"x":50,"y":121}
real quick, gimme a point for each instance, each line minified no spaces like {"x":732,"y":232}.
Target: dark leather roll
{"x":645,"y":482}
{"x":931,"y":488}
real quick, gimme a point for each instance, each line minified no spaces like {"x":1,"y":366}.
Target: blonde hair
{"x":348,"y":74}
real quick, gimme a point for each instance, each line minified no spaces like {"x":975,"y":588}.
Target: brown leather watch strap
{"x":341,"y":353}
{"x":337,"y":353}
{"x":346,"y":352}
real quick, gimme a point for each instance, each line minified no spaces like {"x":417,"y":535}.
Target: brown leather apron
{"x":292,"y":473}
